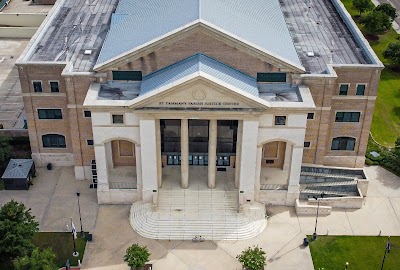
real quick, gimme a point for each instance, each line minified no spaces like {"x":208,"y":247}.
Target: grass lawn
{"x":386,"y":121}
{"x":62,"y":245}
{"x":362,"y":252}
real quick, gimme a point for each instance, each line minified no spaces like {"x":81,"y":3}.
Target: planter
{"x":146,"y":267}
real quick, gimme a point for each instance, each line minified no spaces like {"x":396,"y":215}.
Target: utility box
{"x":18,"y":174}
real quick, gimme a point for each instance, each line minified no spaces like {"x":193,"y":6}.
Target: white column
{"x":248,"y":160}
{"x":238,"y":152}
{"x":109,"y":155}
{"x":139,"y":181}
{"x":294,"y":175}
{"x":295,"y":166}
{"x":159,"y":164}
{"x":103,"y":188}
{"x":257,"y":183}
{"x":288,"y":157}
{"x":184,"y":153}
{"x":149,"y":159}
{"x":212,"y":153}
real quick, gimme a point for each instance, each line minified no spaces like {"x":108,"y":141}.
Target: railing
{"x":122,"y":185}
{"x":273,"y":187}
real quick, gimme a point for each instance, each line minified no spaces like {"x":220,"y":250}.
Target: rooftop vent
{"x":88,"y":52}
{"x":310,"y":54}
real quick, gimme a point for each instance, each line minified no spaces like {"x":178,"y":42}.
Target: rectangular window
{"x":89,"y":142}
{"x":127,"y":75}
{"x":310,"y":116}
{"x":347,"y":117}
{"x":50,"y":113}
{"x":271,"y":77}
{"x":280,"y":120}
{"x":307,"y":144}
{"x":37,"y":87}
{"x":344,"y":88}
{"x":343,"y":143}
{"x":54,"y":87}
{"x":87,"y":114}
{"x":360,"y":90}
{"x":53,"y":141}
{"x":118,"y":119}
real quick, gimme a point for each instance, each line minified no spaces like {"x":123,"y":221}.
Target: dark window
{"x":360,"y":90}
{"x":344,"y":88}
{"x":50,"y":113}
{"x":53,"y":141}
{"x":54,"y":87}
{"x":271,"y":77}
{"x":89,"y":142}
{"x":343,"y":143}
{"x":347,"y":117}
{"x":307,"y":144}
{"x":118,"y":119}
{"x":280,"y":120}
{"x":37,"y":86}
{"x":127,"y":75}
{"x":310,"y":116}
{"x":87,"y":114}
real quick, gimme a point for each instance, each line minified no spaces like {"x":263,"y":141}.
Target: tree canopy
{"x":5,"y":151}
{"x":388,"y":10}
{"x":363,"y":5}
{"x":392,"y":53}
{"x":17,"y":228}
{"x":38,"y":260}
{"x":376,"y":22}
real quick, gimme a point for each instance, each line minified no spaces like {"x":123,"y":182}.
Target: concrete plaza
{"x":53,"y":200}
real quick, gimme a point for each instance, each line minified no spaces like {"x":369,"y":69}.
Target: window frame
{"x":347,"y":91}
{"x":365,"y":88}
{"x":84,"y":115}
{"x":341,"y":143}
{"x":58,"y":86}
{"x":41,"y":86}
{"x":313,"y":116}
{"x":61,"y":146}
{"x":48,"y":109}
{"x":350,"y":119}
{"x":89,"y":140}
{"x":309,"y":144}
{"x":116,"y":73}
{"x":275,"y":118}
{"x":117,"y":114}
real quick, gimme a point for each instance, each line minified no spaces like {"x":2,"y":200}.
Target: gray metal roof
{"x":18,"y":169}
{"x":195,"y":64}
{"x":259,"y":23}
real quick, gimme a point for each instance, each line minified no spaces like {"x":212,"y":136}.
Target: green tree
{"x":17,"y":228}
{"x":136,"y":256}
{"x":253,"y":258}
{"x":38,"y":260}
{"x":387,"y":9}
{"x":362,"y":5}
{"x":5,"y":151}
{"x":392,"y":53}
{"x":376,"y":22}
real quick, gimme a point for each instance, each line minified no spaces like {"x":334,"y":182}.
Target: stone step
{"x":186,"y":225}
{"x":340,"y":176}
{"x":328,"y":193}
{"x":333,"y":184}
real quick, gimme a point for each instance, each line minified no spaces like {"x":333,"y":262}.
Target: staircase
{"x":182,"y":214}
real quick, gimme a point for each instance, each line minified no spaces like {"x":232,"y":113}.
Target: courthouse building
{"x":240,"y":95}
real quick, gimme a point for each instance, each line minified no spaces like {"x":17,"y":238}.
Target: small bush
{"x":136,"y":256}
{"x":253,"y":258}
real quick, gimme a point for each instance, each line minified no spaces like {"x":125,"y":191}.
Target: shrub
{"x":38,"y":260}
{"x":392,"y":53}
{"x":388,"y":9}
{"x":376,"y":22}
{"x":136,"y":256}
{"x":253,"y":258}
{"x":362,"y":5}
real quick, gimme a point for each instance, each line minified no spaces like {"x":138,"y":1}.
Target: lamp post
{"x":347,"y":264}
{"x":80,"y":217}
{"x":314,"y":236}
{"x":387,"y":250}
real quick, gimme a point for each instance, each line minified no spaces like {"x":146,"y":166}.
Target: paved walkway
{"x":53,"y":201}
